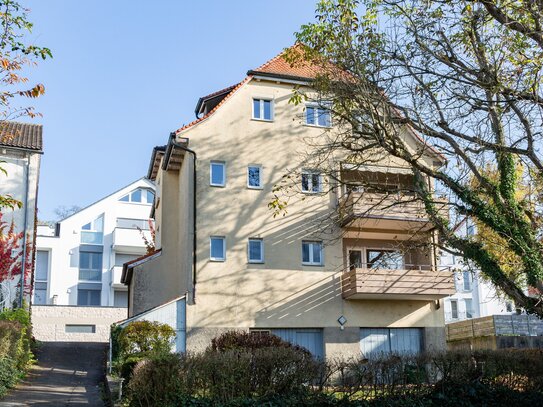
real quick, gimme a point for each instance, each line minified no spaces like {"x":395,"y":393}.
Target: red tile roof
{"x":280,"y":66}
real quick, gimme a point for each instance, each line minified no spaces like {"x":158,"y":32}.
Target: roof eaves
{"x":157,"y":153}
{"x":126,"y":275}
{"x":210,"y":113}
{"x":280,"y":76}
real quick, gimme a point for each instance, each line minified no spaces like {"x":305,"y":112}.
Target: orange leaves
{"x":35,"y":92}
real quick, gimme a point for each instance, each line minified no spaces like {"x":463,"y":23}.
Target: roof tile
{"x":21,"y":135}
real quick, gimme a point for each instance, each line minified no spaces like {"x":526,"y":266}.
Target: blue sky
{"x":126,"y":73}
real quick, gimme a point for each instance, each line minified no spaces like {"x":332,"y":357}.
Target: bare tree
{"x":463,"y":79}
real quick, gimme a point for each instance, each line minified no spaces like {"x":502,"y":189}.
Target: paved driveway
{"x":67,"y":373}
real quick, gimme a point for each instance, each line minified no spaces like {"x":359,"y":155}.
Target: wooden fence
{"x":495,"y":325}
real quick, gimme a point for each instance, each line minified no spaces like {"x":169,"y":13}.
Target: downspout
{"x":194,"y":212}
{"x":25,"y":226}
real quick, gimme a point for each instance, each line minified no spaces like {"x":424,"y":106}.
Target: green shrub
{"x":142,"y":337}
{"x":250,"y":340}
{"x":137,"y":341}
{"x":15,"y":352}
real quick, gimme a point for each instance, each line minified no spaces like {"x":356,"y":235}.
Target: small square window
{"x":217,"y":248}
{"x":311,"y":182}
{"x":255,"y":250}
{"x":217,"y":174}
{"x":262,"y":109}
{"x":312,"y":253}
{"x":254,"y":176}
{"x":316,"y":115}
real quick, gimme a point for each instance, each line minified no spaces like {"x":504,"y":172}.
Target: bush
{"x":15,"y":352}
{"x":247,"y":340}
{"x":137,"y":341}
{"x":222,"y":376}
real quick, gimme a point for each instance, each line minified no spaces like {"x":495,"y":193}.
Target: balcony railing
{"x":412,"y":282}
{"x":130,"y":240}
{"x":394,"y":206}
{"x":116,"y":272}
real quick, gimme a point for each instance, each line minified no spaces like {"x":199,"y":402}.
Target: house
{"x":348,"y":291}
{"x":77,"y":287}
{"x":21,"y":147}
{"x":475,"y":296}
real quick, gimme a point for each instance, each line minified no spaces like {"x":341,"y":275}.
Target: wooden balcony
{"x":389,"y":211}
{"x":422,"y":283}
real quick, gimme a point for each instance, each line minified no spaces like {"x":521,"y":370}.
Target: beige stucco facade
{"x":281,"y":292}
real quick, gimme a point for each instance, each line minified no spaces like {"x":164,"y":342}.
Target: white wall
{"x":16,"y":162}
{"x":64,"y":249}
{"x":49,"y":322}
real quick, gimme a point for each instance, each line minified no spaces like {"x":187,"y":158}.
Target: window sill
{"x":317,"y":126}
{"x":256,"y":188}
{"x":312,"y":265}
{"x":217,"y":185}
{"x":255,"y":262}
{"x":262,"y":120}
{"x":217,"y":260}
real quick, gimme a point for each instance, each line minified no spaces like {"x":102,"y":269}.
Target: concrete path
{"x":67,"y":373}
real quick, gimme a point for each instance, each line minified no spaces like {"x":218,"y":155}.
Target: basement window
{"x":80,"y":329}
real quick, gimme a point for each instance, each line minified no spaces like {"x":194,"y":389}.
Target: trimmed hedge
{"x":15,"y":342}
{"x":251,"y":375}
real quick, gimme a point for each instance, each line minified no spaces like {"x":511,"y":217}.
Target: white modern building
{"x":79,"y":262}
{"x":474,"y":296}
{"x":21,"y":147}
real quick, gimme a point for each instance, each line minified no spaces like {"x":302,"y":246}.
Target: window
{"x":454,"y":309}
{"x":311,"y":182}
{"x":40,"y":293}
{"x":140,"y":195}
{"x":217,"y":248}
{"x":262,"y":109}
{"x":384,"y":259}
{"x":90,"y":266}
{"x":255,"y":251}
{"x":509,"y":306}
{"x":217,"y":174}
{"x":93,"y":232}
{"x":121,"y":258}
{"x":377,"y":341}
{"x":312,"y":253}
{"x":80,"y":329}
{"x":254,"y":176}
{"x":466,"y":277}
{"x":355,"y":259}
{"x":316,"y":115}
{"x":88,"y":297}
{"x":42,"y":265}
{"x":469,"y":307}
{"x":120,"y":298}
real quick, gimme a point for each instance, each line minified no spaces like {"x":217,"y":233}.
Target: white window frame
{"x":214,"y":162}
{"x":259,"y":176}
{"x":223,"y":258}
{"x":255,"y":261}
{"x":317,"y":107}
{"x":310,"y":183}
{"x":452,"y":309}
{"x":261,"y":107}
{"x":384,"y":249}
{"x":311,"y":262}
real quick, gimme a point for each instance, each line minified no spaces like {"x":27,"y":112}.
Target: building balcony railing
{"x":413,"y":282}
{"x":128,"y":240}
{"x":116,"y":272}
{"x":377,"y":206}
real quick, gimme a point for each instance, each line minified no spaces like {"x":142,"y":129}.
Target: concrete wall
{"x":281,"y":292}
{"x":49,"y":322}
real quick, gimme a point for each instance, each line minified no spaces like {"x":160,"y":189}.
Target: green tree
{"x":15,"y":56}
{"x":464,"y":77}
